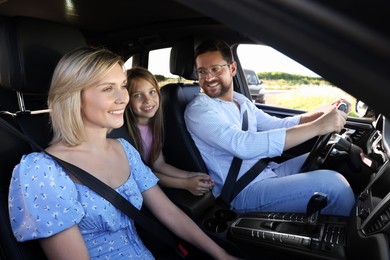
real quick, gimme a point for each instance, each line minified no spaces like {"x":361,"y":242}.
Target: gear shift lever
{"x":313,"y":209}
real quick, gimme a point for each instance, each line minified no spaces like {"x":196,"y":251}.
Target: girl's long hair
{"x":155,"y":123}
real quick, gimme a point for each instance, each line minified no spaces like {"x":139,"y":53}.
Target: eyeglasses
{"x":214,"y":70}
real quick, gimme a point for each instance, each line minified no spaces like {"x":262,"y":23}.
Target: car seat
{"x":179,"y":148}
{"x":30,"y":50}
{"x":178,"y":144}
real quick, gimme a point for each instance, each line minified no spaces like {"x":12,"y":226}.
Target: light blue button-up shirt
{"x":216,"y":127}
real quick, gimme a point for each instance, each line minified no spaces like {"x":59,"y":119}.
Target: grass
{"x":309,"y":96}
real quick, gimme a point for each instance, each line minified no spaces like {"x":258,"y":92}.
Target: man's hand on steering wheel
{"x":312,"y":162}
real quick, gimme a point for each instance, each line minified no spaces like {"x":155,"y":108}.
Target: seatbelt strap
{"x":110,"y":195}
{"x":231,"y":178}
{"x":121,"y":203}
{"x":249,"y":176}
{"x":232,"y":187}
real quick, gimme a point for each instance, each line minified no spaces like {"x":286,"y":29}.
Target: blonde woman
{"x":87,"y":98}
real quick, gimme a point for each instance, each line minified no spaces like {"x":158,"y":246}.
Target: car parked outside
{"x":256,"y":86}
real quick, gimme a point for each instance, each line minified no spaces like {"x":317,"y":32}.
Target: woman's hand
{"x":180,"y":224}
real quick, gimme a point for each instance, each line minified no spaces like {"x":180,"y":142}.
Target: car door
{"x":291,"y":89}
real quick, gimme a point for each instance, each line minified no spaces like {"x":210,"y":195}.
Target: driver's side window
{"x":286,"y":83}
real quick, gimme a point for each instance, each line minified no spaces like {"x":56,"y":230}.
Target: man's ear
{"x":233,"y":68}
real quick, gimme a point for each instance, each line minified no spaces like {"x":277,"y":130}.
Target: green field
{"x":301,"y":92}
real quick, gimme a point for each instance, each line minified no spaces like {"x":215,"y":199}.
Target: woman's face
{"x":144,"y":100}
{"x":104,"y":103}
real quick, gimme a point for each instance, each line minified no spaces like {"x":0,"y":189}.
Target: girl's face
{"x":144,"y":100}
{"x":104,"y":103}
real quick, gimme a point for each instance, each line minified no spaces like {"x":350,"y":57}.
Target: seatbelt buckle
{"x":221,"y":201}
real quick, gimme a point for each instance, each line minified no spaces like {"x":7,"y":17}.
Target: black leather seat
{"x":30,"y":50}
{"x":179,"y":149}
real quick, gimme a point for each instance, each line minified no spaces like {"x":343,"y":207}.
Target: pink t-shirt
{"x":146,"y":135}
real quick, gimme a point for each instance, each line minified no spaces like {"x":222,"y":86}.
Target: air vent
{"x":379,"y":224}
{"x":358,"y":135}
{"x":379,"y":219}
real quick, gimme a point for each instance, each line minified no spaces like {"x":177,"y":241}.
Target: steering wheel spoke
{"x":311,"y":163}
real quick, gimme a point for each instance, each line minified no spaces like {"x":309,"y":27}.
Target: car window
{"x":286,"y":83}
{"x":272,"y":78}
{"x":129,"y":63}
{"x":159,"y":62}
{"x":159,"y":66}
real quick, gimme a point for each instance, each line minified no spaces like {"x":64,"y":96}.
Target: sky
{"x":256,"y":57}
{"x":266,"y":59}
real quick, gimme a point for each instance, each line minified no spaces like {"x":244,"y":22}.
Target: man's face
{"x":215,"y":75}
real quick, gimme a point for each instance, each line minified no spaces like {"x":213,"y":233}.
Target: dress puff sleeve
{"x":42,"y":198}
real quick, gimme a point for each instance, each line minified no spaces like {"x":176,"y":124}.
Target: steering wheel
{"x":311,"y":162}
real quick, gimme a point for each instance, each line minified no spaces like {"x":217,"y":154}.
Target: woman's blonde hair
{"x":76,"y":71}
{"x":156,"y":123}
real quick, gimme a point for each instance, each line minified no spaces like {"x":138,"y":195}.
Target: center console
{"x":294,"y":231}
{"x":292,"y":234}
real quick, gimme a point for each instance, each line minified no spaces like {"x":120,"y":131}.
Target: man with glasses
{"x":214,"y":120}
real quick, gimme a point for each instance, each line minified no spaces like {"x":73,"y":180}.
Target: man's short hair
{"x":215,"y":45}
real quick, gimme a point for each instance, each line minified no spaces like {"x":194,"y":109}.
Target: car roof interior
{"x":130,"y":27}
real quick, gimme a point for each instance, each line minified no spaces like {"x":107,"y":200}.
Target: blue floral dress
{"x":44,"y":201}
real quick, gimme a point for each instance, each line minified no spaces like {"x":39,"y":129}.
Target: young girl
{"x":87,"y":98}
{"x":145,"y":123}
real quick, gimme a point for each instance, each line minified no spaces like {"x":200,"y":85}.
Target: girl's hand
{"x":199,"y":183}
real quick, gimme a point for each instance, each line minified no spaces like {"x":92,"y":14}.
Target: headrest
{"x":30,"y":51}
{"x":181,"y":61}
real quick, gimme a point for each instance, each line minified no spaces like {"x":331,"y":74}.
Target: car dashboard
{"x":369,"y":233}
{"x":364,"y":234}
